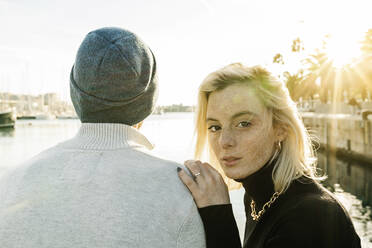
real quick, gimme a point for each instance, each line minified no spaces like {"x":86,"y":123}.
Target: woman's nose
{"x":227,"y":139}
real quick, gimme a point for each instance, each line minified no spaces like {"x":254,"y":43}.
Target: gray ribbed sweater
{"x":98,"y":189}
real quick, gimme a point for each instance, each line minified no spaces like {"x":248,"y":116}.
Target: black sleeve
{"x":220,"y":226}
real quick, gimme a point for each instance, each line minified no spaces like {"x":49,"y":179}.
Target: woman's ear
{"x":281,"y":132}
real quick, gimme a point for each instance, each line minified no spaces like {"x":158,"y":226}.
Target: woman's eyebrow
{"x":211,"y":119}
{"x":234,"y":116}
{"x":243,"y":113}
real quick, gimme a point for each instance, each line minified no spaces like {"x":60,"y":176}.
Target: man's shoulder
{"x":151,"y":156}
{"x":47,"y":153}
{"x":161,"y":170}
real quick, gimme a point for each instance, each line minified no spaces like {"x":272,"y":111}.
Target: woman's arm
{"x":212,"y":198}
{"x":220,"y":226}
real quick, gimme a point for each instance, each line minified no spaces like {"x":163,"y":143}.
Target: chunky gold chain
{"x":255,"y":216}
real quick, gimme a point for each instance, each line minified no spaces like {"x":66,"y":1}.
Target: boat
{"x":7,"y":119}
{"x":26,"y":117}
{"x":45,"y":117}
{"x":64,"y":117}
{"x":158,"y":111}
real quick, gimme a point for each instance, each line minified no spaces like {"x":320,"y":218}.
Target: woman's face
{"x":239,"y":133}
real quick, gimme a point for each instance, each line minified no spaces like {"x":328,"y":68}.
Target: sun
{"x":342,"y":49}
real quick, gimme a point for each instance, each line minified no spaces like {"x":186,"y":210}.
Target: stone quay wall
{"x":348,"y":135}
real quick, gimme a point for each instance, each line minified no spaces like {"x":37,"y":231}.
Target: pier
{"x":347,"y":135}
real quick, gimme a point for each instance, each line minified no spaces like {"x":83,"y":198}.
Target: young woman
{"x":251,"y":128}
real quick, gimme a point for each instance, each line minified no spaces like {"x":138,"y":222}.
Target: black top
{"x":306,"y":215}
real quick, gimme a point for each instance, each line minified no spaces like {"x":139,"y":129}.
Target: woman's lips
{"x":230,"y":161}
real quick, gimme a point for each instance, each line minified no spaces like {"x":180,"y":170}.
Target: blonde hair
{"x":297,"y":157}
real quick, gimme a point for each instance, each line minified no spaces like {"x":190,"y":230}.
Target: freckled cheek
{"x":213,"y":142}
{"x":250,"y":144}
{"x":244,"y":139}
{"x":261,"y":148}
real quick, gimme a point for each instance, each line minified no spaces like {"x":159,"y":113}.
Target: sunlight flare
{"x":342,"y":49}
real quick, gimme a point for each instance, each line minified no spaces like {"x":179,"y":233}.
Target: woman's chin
{"x":234,"y":175}
{"x":237,"y":174}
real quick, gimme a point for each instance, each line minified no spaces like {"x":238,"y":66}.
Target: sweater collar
{"x":107,"y":136}
{"x":260,"y":186}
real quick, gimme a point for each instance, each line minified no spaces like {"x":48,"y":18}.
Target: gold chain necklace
{"x":255,"y":216}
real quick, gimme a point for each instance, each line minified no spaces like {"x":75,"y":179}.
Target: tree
{"x":278,"y":59}
{"x":298,"y":83}
{"x":297,"y":45}
{"x":361,"y":71}
{"x":319,"y":68}
{"x":293,"y":83}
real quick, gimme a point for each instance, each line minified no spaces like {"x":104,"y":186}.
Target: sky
{"x":39,"y":38}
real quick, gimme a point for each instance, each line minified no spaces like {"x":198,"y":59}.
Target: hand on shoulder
{"x":206,"y":184}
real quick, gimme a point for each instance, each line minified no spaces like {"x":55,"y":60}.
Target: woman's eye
{"x":244,"y":124}
{"x":214,"y":128}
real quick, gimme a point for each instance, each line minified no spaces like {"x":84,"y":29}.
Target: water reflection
{"x":7,"y":132}
{"x":354,"y":177}
{"x":351,"y":182}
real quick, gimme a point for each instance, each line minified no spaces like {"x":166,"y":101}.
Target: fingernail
{"x":178,"y":169}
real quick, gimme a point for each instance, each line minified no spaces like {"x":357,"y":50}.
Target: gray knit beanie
{"x":114,"y":78}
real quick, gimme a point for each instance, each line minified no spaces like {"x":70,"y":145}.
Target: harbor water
{"x":172,"y":135}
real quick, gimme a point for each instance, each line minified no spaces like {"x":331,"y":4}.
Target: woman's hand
{"x":206,"y":186}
